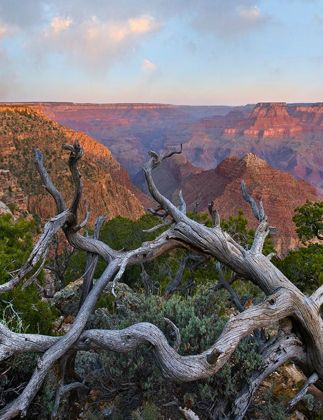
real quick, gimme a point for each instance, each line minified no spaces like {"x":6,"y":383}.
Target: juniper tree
{"x":299,"y":337}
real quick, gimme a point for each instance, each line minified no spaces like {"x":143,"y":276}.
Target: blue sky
{"x":202,"y":52}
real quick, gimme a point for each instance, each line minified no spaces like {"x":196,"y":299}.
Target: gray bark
{"x":283,"y":301}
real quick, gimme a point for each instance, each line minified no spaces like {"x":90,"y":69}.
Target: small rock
{"x":293,"y":373}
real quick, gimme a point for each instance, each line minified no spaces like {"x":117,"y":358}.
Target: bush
{"x":304,"y":266}
{"x":127,"y":383}
{"x":21,"y":309}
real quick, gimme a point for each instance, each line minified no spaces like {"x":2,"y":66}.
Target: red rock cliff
{"x":103,"y":185}
{"x":281,"y":194}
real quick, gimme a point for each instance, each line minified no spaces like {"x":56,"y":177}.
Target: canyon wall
{"x":287,"y":136}
{"x":281,"y":194}
{"x":106,"y":185}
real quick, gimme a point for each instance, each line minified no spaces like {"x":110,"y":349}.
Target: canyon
{"x":107,"y":186}
{"x":287,"y":136}
{"x":280,"y":192}
{"x":221,"y":146}
{"x":128,"y":130}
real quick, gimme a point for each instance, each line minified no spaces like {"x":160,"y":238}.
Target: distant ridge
{"x":287,"y":136}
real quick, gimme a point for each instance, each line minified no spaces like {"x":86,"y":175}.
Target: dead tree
{"x":300,"y":337}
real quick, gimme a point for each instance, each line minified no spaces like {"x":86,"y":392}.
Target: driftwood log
{"x":300,"y":338}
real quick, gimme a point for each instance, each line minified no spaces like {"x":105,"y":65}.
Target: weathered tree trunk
{"x":301,"y":340}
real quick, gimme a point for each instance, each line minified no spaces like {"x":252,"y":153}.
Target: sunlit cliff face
{"x":289,"y":137}
{"x":106,"y":185}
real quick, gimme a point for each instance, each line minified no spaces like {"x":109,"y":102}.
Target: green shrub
{"x":304,"y":267}
{"x":21,"y":309}
{"x":130,"y":382}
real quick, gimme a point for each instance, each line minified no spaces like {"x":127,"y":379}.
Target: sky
{"x":201,"y":52}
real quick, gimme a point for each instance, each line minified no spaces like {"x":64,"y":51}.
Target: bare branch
{"x":20,"y":405}
{"x":91,"y":263}
{"x":123,"y":266}
{"x":189,"y":368}
{"x":261,"y":210}
{"x":272,"y":230}
{"x":214,"y":214}
{"x":62,"y":388}
{"x":165,"y":204}
{"x":76,"y":154}
{"x":188,"y":413}
{"x":154,"y":228}
{"x":98,"y":224}
{"x":317,"y":298}
{"x":173,"y":365}
{"x":260,"y":236}
{"x":284,"y":300}
{"x":281,"y":349}
{"x":310,"y":381}
{"x":229,"y":288}
{"x":39,"y":250}
{"x":174,"y":284}
{"x":87,"y":214}
{"x":258,"y":215}
{"x":70,"y":387}
{"x":163,"y":214}
{"x":177,"y":334}
{"x":182,"y":204}
{"x":48,"y":184}
{"x":34,"y":276}
{"x":271,"y":255}
{"x":157,"y":160}
{"x":148,"y":282}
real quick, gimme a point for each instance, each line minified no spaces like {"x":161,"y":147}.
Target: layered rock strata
{"x":105,"y":185}
{"x":281,"y":194}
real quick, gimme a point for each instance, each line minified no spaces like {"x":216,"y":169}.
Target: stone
{"x":288,"y":137}
{"x":4,"y":209}
{"x":281,"y":194}
{"x":107,"y":186}
{"x":67,"y":300}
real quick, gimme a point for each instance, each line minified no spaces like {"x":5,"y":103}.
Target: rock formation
{"x":12,"y":198}
{"x":106,"y":185}
{"x":130,"y":130}
{"x":169,"y":176}
{"x":287,"y":136}
{"x":281,"y":194}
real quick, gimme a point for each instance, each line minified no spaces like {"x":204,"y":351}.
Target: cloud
{"x":23,"y":14}
{"x":148,"y":76}
{"x":148,"y":67}
{"x":134,"y":26}
{"x":224,"y":20}
{"x":6,"y":30}
{"x":58,"y":24}
{"x":80,"y":10}
{"x":95,"y":43}
{"x":250,"y":14}
{"x":35,"y":13}
{"x":2,"y":32}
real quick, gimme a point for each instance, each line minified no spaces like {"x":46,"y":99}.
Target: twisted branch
{"x":283,"y":300}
